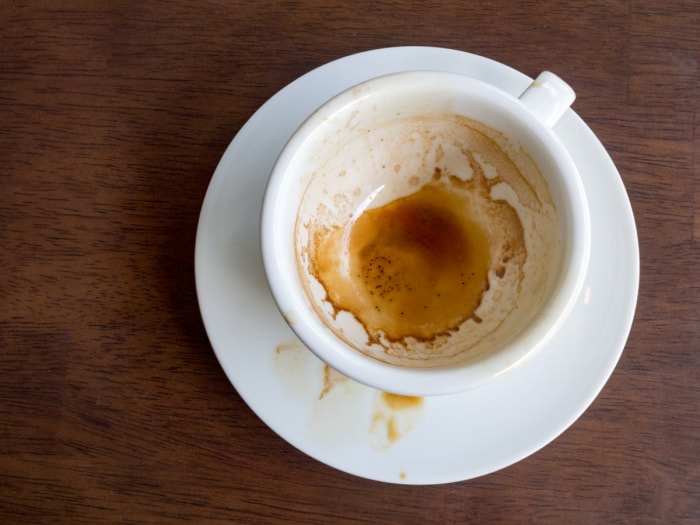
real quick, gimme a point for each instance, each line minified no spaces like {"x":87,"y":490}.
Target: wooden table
{"x":113,"y":117}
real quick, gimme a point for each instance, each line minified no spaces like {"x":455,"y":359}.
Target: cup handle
{"x":548,"y":97}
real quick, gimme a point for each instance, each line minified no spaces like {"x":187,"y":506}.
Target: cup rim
{"x":293,"y":304}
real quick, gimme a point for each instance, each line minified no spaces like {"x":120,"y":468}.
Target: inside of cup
{"x":386,"y":141}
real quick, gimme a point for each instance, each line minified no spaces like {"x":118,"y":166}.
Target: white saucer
{"x":355,"y":428}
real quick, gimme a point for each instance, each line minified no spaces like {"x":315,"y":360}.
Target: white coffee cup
{"x":389,"y":152}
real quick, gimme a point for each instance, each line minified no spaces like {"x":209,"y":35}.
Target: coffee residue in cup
{"x":426,"y":241}
{"x":418,"y":266}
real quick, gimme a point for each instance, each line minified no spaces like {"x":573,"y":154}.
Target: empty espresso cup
{"x":425,"y":232}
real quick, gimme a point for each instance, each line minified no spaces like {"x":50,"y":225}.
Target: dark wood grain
{"x":113,"y":116}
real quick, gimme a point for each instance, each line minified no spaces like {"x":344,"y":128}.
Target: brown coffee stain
{"x":419,"y":265}
{"x":342,"y":407}
{"x":331,"y":379}
{"x":292,"y":362}
{"x":393,"y":417}
{"x":288,"y":347}
{"x":290,"y":318}
{"x":399,"y":402}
